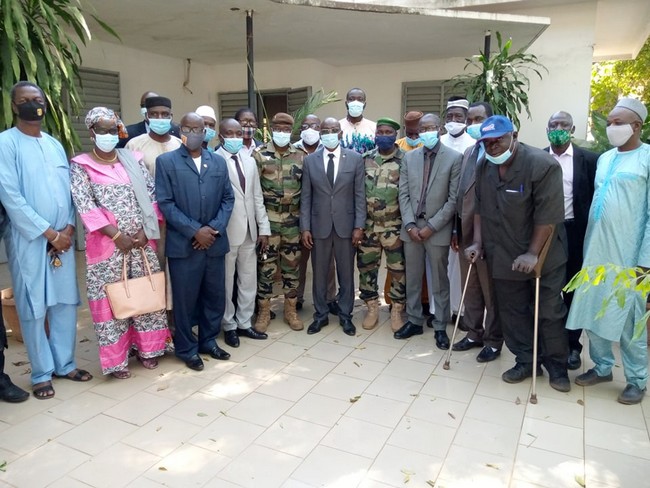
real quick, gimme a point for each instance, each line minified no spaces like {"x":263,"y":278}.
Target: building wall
{"x":141,"y":71}
{"x":565,"y":48}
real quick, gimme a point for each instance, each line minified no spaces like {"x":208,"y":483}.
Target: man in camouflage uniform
{"x":280,"y":169}
{"x":383,"y":225}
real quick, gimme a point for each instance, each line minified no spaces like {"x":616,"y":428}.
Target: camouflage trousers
{"x":283,"y":252}
{"x":368,"y":261}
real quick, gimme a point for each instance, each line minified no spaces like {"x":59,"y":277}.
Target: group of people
{"x":227,"y":224}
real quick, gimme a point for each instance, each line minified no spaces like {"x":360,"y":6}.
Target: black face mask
{"x":31,"y":110}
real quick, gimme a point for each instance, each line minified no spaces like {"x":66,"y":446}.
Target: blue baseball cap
{"x":495,"y":126}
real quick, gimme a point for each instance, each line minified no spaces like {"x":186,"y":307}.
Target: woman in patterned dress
{"x":114,"y":195}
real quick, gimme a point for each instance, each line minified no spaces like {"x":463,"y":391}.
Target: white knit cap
{"x":462,"y":103}
{"x":635,"y":106}
{"x":206,"y":111}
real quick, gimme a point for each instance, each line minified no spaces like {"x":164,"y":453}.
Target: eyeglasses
{"x":428,"y":128}
{"x":330,"y":131}
{"x":310,"y":126}
{"x":102,"y":131}
{"x":193,"y":130}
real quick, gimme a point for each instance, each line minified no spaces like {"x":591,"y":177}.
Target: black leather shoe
{"x":217,"y":353}
{"x":631,"y":395}
{"x":195,"y":363}
{"x":430,"y":320}
{"x":252,"y":334}
{"x":591,"y":378}
{"x":520,"y":372}
{"x":465,"y":344}
{"x":560,"y":382}
{"x":407,"y":330}
{"x":442,"y":340}
{"x":348,"y":327}
{"x":334,"y":309}
{"x":10,"y":392}
{"x":574,"y":362}
{"x":231,"y":338}
{"x":317,"y":325}
{"x":487,"y":354}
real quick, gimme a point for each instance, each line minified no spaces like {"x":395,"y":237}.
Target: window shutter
{"x":297,"y":97}
{"x":426,"y":96}
{"x":230,"y":102}
{"x":97,"y":89}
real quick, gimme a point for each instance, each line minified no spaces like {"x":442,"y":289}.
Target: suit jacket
{"x":342,"y":207}
{"x":466,"y":203}
{"x":248,"y":212}
{"x":190,"y":200}
{"x":584,"y":173}
{"x":441,"y":193}
{"x":135,"y":130}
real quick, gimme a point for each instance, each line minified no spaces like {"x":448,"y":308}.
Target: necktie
{"x":242,"y":180}
{"x":330,"y":169}
{"x":425,"y":184}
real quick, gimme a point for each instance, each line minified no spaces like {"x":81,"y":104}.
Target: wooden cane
{"x":460,"y":308}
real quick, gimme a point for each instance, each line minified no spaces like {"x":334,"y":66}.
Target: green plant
{"x":501,"y":80}
{"x":38,"y":43}
{"x":626,"y":283}
{"x":313,"y":103}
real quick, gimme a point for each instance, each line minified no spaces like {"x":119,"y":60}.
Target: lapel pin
{"x":205,"y":165}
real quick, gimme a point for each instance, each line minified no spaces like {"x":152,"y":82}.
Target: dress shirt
{"x":566,"y":162}
{"x":337,"y":157}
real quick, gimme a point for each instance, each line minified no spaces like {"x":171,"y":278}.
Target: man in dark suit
{"x":195,"y":196}
{"x":578,"y":173}
{"x":428,"y":188}
{"x":142,"y":127}
{"x":332,"y":218}
{"x":480,"y":315}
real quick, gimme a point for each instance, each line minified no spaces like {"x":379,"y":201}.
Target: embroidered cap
{"x":495,"y":126}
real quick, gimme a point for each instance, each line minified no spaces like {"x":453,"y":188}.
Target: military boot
{"x":291,"y":314}
{"x":372,"y":315}
{"x":396,"y":321}
{"x":263,"y":315}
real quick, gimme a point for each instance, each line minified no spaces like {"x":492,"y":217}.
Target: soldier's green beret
{"x":388,"y":121}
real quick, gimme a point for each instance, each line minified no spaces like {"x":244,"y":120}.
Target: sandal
{"x":44,"y":391}
{"x":76,"y":375}
{"x":122,"y":374}
{"x":148,"y":363}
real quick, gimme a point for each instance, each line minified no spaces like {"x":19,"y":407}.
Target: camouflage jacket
{"x":280,"y":178}
{"x":382,"y":190}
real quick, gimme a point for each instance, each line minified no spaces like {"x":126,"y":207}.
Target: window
{"x":98,"y":88}
{"x":281,"y":100}
{"x":427,"y":96}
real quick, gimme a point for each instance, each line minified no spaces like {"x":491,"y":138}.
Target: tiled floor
{"x":299,"y":411}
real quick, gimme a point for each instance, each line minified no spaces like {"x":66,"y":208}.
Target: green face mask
{"x":559,"y":137}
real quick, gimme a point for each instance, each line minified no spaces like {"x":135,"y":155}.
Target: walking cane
{"x":538,"y":275}
{"x":460,"y":308}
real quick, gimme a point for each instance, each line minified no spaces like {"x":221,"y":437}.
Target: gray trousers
{"x":414,"y":253}
{"x":302,"y":277}
{"x":321,"y":256}
{"x":479,"y":304}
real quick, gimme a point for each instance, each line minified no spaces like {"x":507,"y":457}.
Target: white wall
{"x":141,"y":71}
{"x":565,"y":48}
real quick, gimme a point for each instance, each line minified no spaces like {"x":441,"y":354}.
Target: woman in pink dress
{"x":114,"y":195}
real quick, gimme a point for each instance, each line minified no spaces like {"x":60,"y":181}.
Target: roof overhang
{"x":334,"y":32}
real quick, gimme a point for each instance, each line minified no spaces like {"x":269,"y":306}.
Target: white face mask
{"x":455,"y":128}
{"x":355,"y":108}
{"x":310,"y":136}
{"x":619,"y":134}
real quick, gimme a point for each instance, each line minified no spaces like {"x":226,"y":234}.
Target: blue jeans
{"x":56,"y":353}
{"x":634,"y":353}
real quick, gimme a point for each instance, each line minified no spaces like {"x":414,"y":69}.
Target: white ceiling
{"x":211,"y":32}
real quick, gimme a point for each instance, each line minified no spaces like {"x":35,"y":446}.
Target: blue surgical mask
{"x":281,"y":139}
{"x":330,"y":141}
{"x":160,"y":126}
{"x":233,"y":144}
{"x":474,"y":131}
{"x":413,"y":142}
{"x":106,"y":142}
{"x":209,"y":134}
{"x":355,"y":108}
{"x":429,"y":139}
{"x":384,"y":143}
{"x":503,"y":157}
